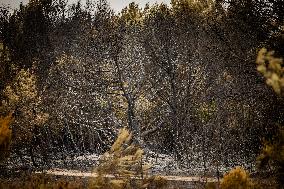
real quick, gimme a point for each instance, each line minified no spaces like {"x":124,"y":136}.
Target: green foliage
{"x":132,"y":15}
{"x":191,"y":6}
{"x":206,"y":111}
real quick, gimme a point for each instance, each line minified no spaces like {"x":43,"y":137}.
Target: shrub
{"x":271,"y":67}
{"x":237,"y":178}
{"x":273,"y":154}
{"x":122,"y":167}
{"x":5,"y":136}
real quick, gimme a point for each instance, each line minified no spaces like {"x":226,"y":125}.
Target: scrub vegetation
{"x":197,"y":83}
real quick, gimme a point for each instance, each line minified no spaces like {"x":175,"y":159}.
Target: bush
{"x":5,"y":136}
{"x":124,"y":162}
{"x":237,"y":178}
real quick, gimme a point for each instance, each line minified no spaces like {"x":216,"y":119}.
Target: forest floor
{"x":76,"y":173}
{"x":161,"y":164}
{"x":181,"y":182}
{"x":81,"y":167}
